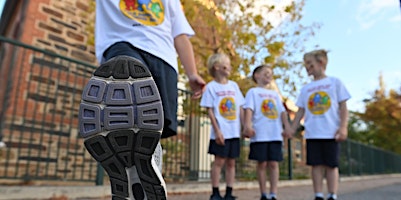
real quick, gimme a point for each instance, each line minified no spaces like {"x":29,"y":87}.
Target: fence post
{"x":289,"y":159}
{"x":347,"y":142}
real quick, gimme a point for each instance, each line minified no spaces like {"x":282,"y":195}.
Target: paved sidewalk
{"x":354,"y":188}
{"x":288,"y":190}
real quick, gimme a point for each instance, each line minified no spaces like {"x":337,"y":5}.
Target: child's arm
{"x":242,"y":116}
{"x":216,"y":128}
{"x":287,"y":132}
{"x":248,"y":129}
{"x":186,"y":54}
{"x":298,"y":116}
{"x":342,"y":132}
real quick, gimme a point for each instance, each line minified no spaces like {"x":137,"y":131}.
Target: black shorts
{"x":322,"y":152}
{"x":266,"y":151}
{"x":230,"y":149}
{"x":164,"y":76}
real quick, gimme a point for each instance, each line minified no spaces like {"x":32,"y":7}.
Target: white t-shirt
{"x":267,"y":108}
{"x":226,"y":100}
{"x":321,"y":100}
{"x":151,"y":28}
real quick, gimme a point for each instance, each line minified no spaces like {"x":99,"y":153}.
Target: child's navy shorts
{"x":322,"y":152}
{"x":164,"y":76}
{"x":231,"y":148}
{"x":266,"y":151}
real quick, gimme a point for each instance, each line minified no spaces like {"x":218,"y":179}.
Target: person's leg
{"x":314,"y":158}
{"x":332,"y":180}
{"x":261,"y":175}
{"x":215,"y":174}
{"x":275,"y":155}
{"x":230,"y":177}
{"x":317,"y":178}
{"x":273,"y":176}
{"x":232,"y":147}
{"x":332,"y":155}
{"x":230,"y":172}
{"x":121,"y":121}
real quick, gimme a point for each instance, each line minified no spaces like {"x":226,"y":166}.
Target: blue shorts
{"x":230,"y":149}
{"x":266,"y":151}
{"x":322,"y":152}
{"x":164,"y":76}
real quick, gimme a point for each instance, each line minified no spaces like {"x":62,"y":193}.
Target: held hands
{"x":288,"y":132}
{"x":248,"y":131}
{"x":197,"y":85}
{"x":341,"y":134}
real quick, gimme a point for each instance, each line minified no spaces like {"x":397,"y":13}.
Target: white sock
{"x":272,"y":195}
{"x":319,"y":194}
{"x":334,"y":196}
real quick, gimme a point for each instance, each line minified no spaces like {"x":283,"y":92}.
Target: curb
{"x":93,"y":192}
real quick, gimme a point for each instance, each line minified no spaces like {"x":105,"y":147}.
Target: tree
{"x":244,"y":31}
{"x":247,"y":32}
{"x":382,"y":117}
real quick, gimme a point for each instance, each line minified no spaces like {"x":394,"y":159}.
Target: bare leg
{"x":317,"y":178}
{"x":261,"y":173}
{"x":273,"y":176}
{"x":230,"y":172}
{"x":332,"y":179}
{"x":216,"y":170}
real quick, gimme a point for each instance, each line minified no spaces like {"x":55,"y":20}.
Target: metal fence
{"x":361,"y":159}
{"x":40,"y":94}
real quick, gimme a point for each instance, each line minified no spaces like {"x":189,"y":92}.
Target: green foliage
{"x":380,"y":124}
{"x":90,"y":27}
{"x":244,"y":31}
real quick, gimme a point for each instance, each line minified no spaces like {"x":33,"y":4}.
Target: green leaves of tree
{"x":251,"y":32}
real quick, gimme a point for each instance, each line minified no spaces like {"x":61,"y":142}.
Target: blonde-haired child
{"x":323,"y":103}
{"x":223,"y":100}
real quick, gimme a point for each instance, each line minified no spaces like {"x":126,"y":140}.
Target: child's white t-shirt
{"x":267,"y":108}
{"x":151,"y":28}
{"x":321,"y":100}
{"x":226,"y":100}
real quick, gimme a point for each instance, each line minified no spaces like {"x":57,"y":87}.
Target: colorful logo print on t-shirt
{"x":269,"y":109}
{"x":227,"y":108}
{"x":319,"y":103}
{"x":146,"y":12}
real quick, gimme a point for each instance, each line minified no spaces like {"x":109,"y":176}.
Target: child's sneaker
{"x":216,"y":197}
{"x":229,"y":197}
{"x":121,"y":119}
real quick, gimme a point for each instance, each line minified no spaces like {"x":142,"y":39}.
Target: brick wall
{"x":40,"y":122}
{"x":60,"y":26}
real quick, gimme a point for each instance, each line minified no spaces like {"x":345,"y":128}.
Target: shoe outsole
{"x":121,"y":119}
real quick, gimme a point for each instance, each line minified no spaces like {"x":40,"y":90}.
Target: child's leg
{"x":230,"y":172}
{"x":273,"y":176}
{"x":261,"y":173}
{"x":216,"y":170}
{"x":317,"y":178}
{"x":332,"y":179}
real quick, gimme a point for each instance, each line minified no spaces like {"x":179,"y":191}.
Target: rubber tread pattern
{"x":121,"y":120}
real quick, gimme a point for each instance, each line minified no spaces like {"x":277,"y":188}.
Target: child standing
{"x":323,"y":102}
{"x":264,"y":119}
{"x":131,"y":100}
{"x":223,"y":100}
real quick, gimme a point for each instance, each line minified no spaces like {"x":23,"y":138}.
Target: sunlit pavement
{"x":379,"y":187}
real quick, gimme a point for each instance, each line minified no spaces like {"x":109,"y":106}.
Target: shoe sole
{"x":121,"y":119}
